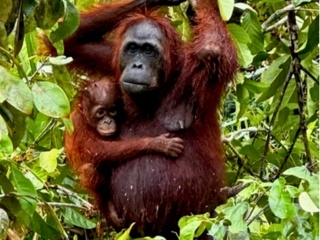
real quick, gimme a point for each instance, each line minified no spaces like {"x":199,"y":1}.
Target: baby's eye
{"x":101,"y":112}
{"x":113,"y":111}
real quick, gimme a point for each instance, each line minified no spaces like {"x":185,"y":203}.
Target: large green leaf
{"x":251,"y":24}
{"x":226,"y":8}
{"x":75,"y":218}
{"x":275,"y":76}
{"x":69,"y":25}
{"x":188,"y":227}
{"x":302,"y":172}
{"x":26,"y":194}
{"x":280,"y":201}
{"x":313,"y":38}
{"x":307,"y":204}
{"x":50,"y":99}
{"x":48,"y":13}
{"x":48,"y":160}
{"x":241,"y":39}
{"x":45,"y":230}
{"x":15,"y":91}
{"x":236,"y":215}
{"x":22,"y":184}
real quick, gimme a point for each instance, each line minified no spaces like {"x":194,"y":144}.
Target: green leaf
{"x":15,"y":91}
{"x":50,"y":99}
{"x":280,"y":201}
{"x":48,"y":160}
{"x":180,"y":21}
{"x":124,"y":234}
{"x":243,"y":98}
{"x":5,"y":144}
{"x":241,"y":40}
{"x":44,"y":229}
{"x":218,"y":231}
{"x":69,"y":25}
{"x":236,"y":216}
{"x":255,"y":87}
{"x":300,"y":2}
{"x":226,"y":8}
{"x":48,"y":12}
{"x":312,"y":179}
{"x":26,"y":194}
{"x":188,"y":230}
{"x":274,"y":76}
{"x":251,"y":24}
{"x":63,"y":79}
{"x":313,"y":39}
{"x":307,"y":204}
{"x":22,"y":184}
{"x":75,"y":218}
{"x":53,"y":220}
{"x":68,"y":124}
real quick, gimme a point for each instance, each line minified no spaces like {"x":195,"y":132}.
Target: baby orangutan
{"x":93,"y":145}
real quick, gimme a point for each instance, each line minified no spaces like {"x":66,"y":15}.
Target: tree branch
{"x":69,"y":193}
{"x":233,"y":191}
{"x":273,"y":119}
{"x":277,"y":15}
{"x":301,"y":85}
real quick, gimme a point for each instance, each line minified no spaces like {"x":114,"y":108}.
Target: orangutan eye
{"x":101,"y":112}
{"x":132,"y":48}
{"x":113,"y":111}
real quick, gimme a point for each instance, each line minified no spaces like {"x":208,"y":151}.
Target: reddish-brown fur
{"x":152,"y":190}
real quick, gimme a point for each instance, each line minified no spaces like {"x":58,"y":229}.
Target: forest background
{"x":269,"y":119}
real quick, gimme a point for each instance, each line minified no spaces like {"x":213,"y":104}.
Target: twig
{"x":272,"y":121}
{"x":233,"y":191}
{"x":309,"y":74}
{"x":45,"y":130}
{"x":71,"y":194}
{"x":241,"y":162}
{"x":241,"y":131}
{"x":288,"y":154}
{"x":277,"y":24}
{"x":257,"y":215}
{"x":293,"y":35}
{"x":58,"y":204}
{"x":276,"y":15}
{"x":15,"y":61}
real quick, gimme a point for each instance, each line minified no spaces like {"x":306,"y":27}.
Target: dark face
{"x":141,"y":59}
{"x":101,"y":106}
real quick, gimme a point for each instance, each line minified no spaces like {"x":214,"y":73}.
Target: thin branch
{"x":233,"y":191}
{"x":60,"y":205}
{"x":241,"y":161}
{"x":45,"y":130}
{"x":71,"y":194}
{"x":257,"y":215}
{"x":273,"y":119}
{"x":16,"y":62}
{"x":302,"y":90}
{"x":277,"y":15}
{"x":309,"y":74}
{"x":288,"y":154}
{"x":240,"y":132}
{"x":277,"y":24}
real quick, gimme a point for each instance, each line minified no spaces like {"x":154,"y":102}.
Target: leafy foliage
{"x":269,"y":121}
